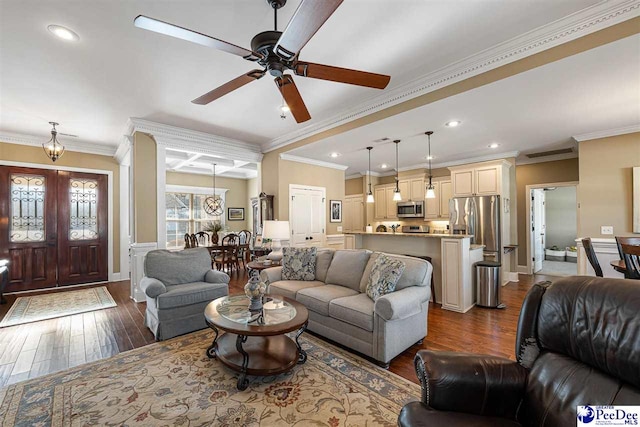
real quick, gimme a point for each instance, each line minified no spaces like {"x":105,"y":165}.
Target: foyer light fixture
{"x":369,"y":194}
{"x":213,"y":205}
{"x":396,"y":193}
{"x":431,"y":193}
{"x":53,"y":149}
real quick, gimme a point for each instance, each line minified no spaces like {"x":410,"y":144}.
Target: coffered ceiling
{"x":116,"y":71}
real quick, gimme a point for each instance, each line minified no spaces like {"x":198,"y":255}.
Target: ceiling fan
{"x":276,"y":52}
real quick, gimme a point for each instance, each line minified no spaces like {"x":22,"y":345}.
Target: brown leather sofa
{"x":578,"y":343}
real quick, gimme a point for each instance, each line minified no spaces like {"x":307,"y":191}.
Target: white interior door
{"x":307,"y":215}
{"x":538,"y":227}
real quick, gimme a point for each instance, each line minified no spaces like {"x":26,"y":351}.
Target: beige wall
{"x":253,"y":190}
{"x":145,"y":198}
{"x":28,"y":154}
{"x":236,"y":197}
{"x":305,"y":174}
{"x":605,"y":190}
{"x":538,"y":173}
{"x":354,"y":186}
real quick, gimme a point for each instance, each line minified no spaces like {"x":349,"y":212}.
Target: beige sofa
{"x":339,"y":308}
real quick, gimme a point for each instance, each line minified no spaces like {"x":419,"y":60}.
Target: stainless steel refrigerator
{"x":480,"y":217}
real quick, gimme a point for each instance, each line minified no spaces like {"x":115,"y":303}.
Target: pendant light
{"x":396,"y":193}
{"x":213,"y":205}
{"x":369,"y":194}
{"x":53,"y":148}
{"x":430,"y":194}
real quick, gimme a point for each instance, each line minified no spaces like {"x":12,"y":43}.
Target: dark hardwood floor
{"x":35,"y":349}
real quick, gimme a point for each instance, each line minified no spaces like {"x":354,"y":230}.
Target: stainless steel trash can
{"x":488,"y":284}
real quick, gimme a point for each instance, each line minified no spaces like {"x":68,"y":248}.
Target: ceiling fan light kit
{"x":276,"y":52}
{"x":52,"y":148}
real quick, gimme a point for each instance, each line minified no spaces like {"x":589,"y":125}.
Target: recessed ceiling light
{"x":334,"y":155}
{"x":384,"y":166}
{"x":453,"y":123}
{"x":429,"y":157}
{"x":494,"y":145}
{"x":63,"y":33}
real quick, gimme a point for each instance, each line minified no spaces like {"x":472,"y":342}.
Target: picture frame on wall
{"x":335,"y":210}
{"x":235,"y":214}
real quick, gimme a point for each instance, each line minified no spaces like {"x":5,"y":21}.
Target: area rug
{"x":48,"y":306}
{"x":175,"y":383}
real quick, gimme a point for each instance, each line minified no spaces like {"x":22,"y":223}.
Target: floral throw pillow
{"x":384,"y":276}
{"x":299,"y":263}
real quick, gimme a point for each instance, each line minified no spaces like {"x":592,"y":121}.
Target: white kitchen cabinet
{"x":392,"y":209}
{"x":412,"y":189}
{"x":432,"y":206}
{"x":479,"y":179}
{"x":445,"y":196}
{"x":385,"y":207}
{"x":353,"y":213}
{"x":380,"y":204}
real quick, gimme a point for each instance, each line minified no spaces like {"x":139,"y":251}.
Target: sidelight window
{"x":83,"y":209}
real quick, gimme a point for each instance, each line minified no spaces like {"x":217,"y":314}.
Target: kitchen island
{"x":452,"y":257}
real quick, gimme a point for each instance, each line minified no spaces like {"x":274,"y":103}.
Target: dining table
{"x":242,"y":248}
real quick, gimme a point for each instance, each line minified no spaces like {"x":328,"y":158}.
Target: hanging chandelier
{"x":369,"y":194}
{"x":396,"y":193}
{"x":431,"y":193}
{"x":213,"y":205}
{"x":53,"y":149}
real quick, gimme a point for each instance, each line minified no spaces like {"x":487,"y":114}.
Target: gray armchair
{"x":178,"y":286}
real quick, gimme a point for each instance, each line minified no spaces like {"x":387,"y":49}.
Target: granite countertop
{"x":422,"y":235}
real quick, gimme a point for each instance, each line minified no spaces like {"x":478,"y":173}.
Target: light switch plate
{"x":606,"y":229}
{"x":340,"y":229}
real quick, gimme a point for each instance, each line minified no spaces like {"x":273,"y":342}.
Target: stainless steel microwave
{"x":411,"y":209}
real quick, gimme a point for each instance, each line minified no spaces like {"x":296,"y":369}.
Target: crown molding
{"x":298,"y":159}
{"x":607,"y":133}
{"x":194,"y":141}
{"x":487,"y":158}
{"x":123,"y":149}
{"x":354,"y":176}
{"x":579,"y":24}
{"x":69,"y":145}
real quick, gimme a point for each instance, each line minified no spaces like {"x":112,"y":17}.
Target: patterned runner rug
{"x":48,"y":306}
{"x":175,"y":383}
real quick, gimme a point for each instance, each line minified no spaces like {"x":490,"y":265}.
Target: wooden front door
{"x":28,"y":227}
{"x":82,"y":228}
{"x":53,"y":227}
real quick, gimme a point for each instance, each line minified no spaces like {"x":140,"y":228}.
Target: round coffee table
{"x":254,"y":342}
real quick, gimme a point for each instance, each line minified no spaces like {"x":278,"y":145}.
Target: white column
{"x":138,"y":253}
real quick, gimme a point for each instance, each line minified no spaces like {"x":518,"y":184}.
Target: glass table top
{"x":274,"y":311}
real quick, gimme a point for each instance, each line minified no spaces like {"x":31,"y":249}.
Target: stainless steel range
{"x":415,"y":229}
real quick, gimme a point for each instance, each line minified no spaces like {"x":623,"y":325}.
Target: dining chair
{"x":187,"y":241}
{"x":193,"y":241}
{"x":245,"y":243}
{"x":631,"y":257}
{"x":626,"y":241}
{"x":203,"y":238}
{"x":591,"y":255}
{"x":228,"y":257}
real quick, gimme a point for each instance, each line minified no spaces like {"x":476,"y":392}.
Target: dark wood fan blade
{"x":292,"y":97}
{"x":342,"y":75}
{"x":229,"y":87}
{"x":307,"y":19}
{"x":167,"y":29}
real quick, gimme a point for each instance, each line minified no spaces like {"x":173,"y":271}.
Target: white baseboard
{"x":522,"y":269}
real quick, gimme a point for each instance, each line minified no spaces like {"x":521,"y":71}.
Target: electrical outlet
{"x":340,"y":229}
{"x":606,"y":229}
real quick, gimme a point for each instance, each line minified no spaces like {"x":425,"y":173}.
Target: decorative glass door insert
{"x":83,"y":218}
{"x":27,"y":195}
